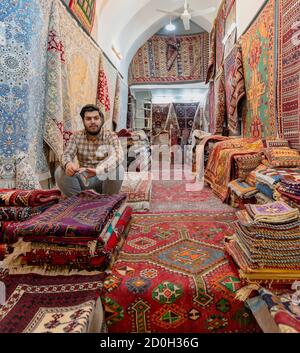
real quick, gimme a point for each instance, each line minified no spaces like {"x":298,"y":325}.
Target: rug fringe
{"x":20,"y":248}
{"x":18,"y":269}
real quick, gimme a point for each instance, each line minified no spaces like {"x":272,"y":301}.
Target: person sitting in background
{"x":99,"y":154}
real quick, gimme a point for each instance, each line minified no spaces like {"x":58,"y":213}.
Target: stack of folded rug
{"x":78,"y":234}
{"x":52,"y":304}
{"x":266,"y":245}
{"x":17,"y":206}
{"x":266,"y":181}
{"x":289,"y":189}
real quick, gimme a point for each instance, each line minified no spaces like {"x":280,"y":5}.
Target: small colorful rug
{"x":173,"y":276}
{"x":41,"y":304}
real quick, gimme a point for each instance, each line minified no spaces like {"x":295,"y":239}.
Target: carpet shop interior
{"x":149,"y":166}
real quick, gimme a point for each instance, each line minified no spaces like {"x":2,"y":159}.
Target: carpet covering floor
{"x":173,"y":276}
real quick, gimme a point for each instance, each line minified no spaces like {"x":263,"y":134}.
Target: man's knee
{"x":59,"y":174}
{"x":69,"y":186}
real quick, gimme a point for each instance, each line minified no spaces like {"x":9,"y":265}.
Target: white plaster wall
{"x":245,"y":13}
{"x":124,"y":106}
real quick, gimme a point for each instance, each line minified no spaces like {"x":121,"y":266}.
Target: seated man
{"x":99,"y":154}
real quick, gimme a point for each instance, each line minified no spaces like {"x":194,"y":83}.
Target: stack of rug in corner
{"x":80,"y":233}
{"x":17,"y":206}
{"x":266,"y":244}
{"x":289,"y":189}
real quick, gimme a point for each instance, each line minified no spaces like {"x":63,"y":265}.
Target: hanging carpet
{"x":289,"y":72}
{"x":259,"y":61}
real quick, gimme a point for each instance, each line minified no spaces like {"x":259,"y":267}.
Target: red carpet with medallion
{"x":173,"y":276}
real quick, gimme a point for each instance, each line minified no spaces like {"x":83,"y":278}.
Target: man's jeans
{"x":70,"y":186}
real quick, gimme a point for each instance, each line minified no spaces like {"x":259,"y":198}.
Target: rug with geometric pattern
{"x":172,"y":276}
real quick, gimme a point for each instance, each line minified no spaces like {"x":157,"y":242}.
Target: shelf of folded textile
{"x":138,"y":187}
{"x":18,"y":206}
{"x":80,"y":234}
{"x":276,"y":311}
{"x":266,"y":244}
{"x":52,"y":304}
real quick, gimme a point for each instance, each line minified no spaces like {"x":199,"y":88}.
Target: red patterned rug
{"x":171,"y":195}
{"x":42,"y":304}
{"x":173,"y":276}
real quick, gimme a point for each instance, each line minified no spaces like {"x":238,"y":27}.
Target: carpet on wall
{"x":259,"y":60}
{"x":220,"y":102}
{"x":71,"y":78}
{"x":234,"y":87}
{"x":84,"y":11}
{"x":230,"y":20}
{"x":211,"y":95}
{"x":42,"y":304}
{"x":173,"y":276}
{"x":160,"y":113}
{"x":220,"y":33}
{"x":211,"y":68}
{"x":289,"y":72}
{"x":22,"y":92}
{"x":150,"y":64}
{"x":186,"y":113}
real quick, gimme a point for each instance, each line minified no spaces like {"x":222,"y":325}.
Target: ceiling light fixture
{"x":170,"y":27}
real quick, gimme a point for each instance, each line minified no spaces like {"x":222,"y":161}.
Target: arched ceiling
{"x":128,"y":24}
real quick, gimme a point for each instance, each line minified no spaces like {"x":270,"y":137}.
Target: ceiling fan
{"x":187,"y":14}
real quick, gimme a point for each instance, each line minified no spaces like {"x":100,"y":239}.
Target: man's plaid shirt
{"x":85,"y":147}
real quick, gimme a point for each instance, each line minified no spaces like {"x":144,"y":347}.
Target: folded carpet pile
{"x":43,"y":304}
{"x":79,"y":234}
{"x":266,"y":243}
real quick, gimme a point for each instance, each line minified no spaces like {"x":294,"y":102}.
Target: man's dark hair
{"x":91,"y":108}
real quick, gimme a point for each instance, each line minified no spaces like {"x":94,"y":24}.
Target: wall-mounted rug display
{"x":220,"y":33}
{"x":72,"y":80}
{"x":22,"y":90}
{"x":84,"y":11}
{"x":151,"y":64}
{"x":289,"y":71}
{"x":219,"y":102}
{"x":234,"y":87}
{"x":259,"y":61}
{"x":230,"y":26}
{"x":211,"y":69}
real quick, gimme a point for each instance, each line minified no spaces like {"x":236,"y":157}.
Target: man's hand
{"x":71,"y":169}
{"x":90,"y":172}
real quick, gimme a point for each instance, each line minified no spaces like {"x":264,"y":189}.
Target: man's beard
{"x":93,"y":133}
